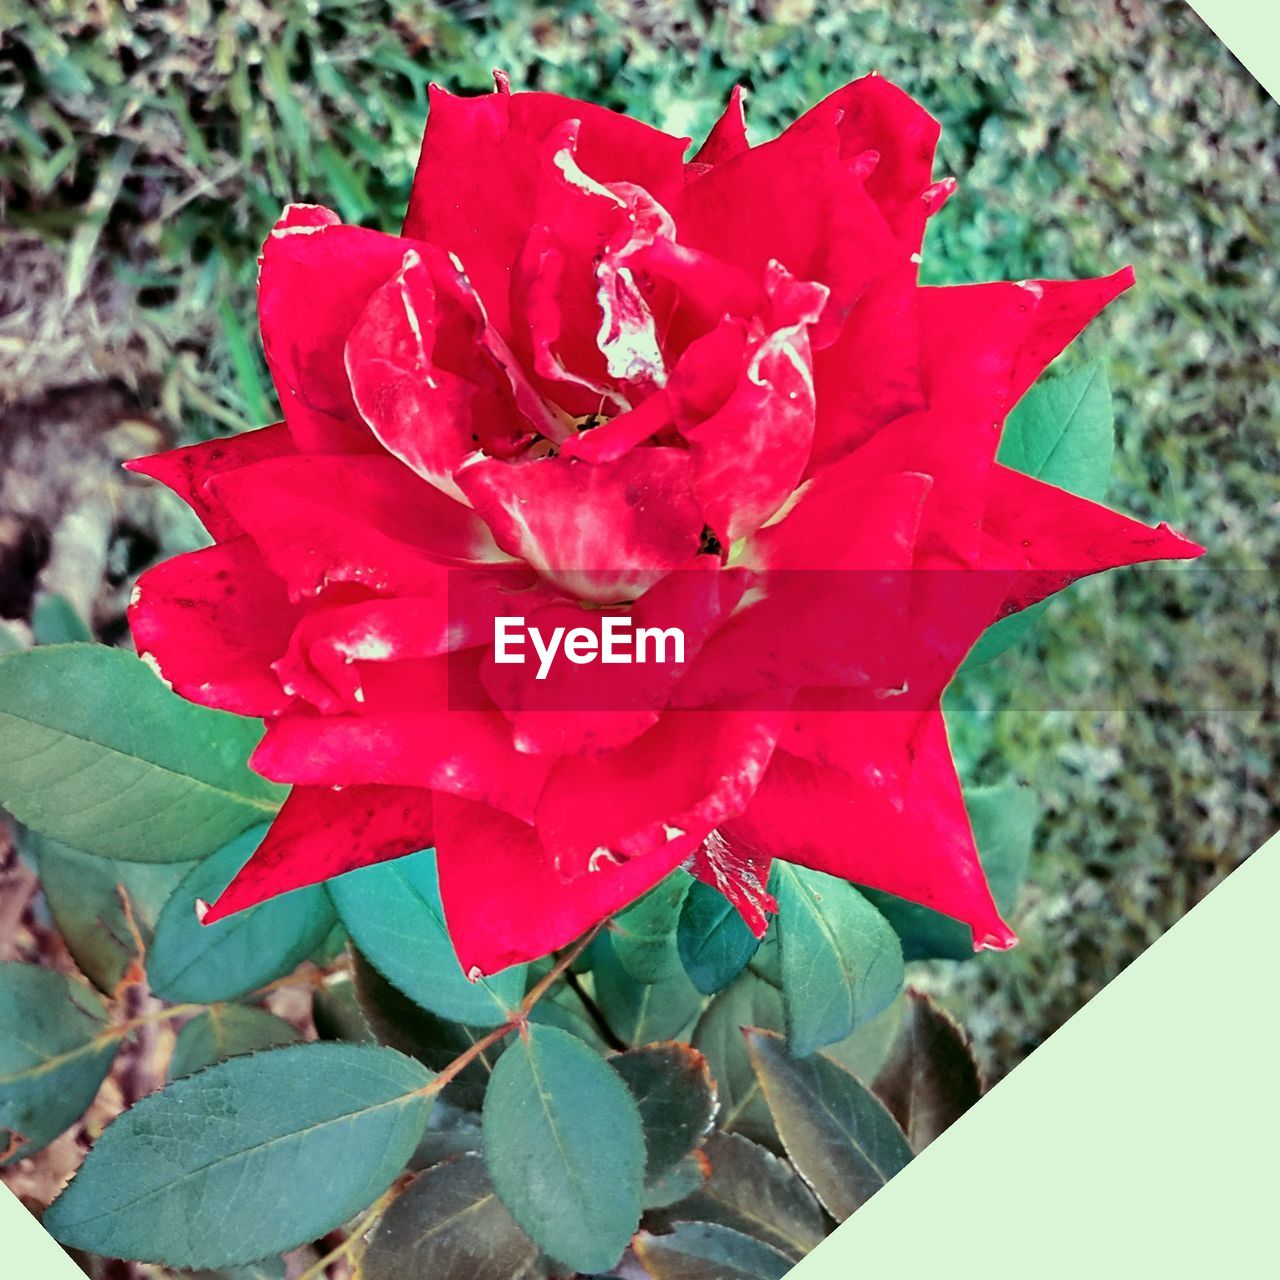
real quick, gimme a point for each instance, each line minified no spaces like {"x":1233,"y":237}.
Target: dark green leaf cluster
{"x":676,"y":1091}
{"x":145,"y":148}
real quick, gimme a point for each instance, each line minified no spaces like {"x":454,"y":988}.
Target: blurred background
{"x":147,"y":148}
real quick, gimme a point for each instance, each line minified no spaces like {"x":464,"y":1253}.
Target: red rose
{"x":594,"y":380}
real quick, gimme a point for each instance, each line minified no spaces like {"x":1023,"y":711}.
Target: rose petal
{"x":704,"y":291}
{"x":1064,"y":537}
{"x":214,"y":621}
{"x":844,"y":521}
{"x":583,"y":319}
{"x":186,"y":470}
{"x":566,"y":365}
{"x":830,"y":596}
{"x":873,"y":748}
{"x":741,"y":874}
{"x":320,"y":833}
{"x":573,"y":709}
{"x":474,"y":189}
{"x":983,"y":345}
{"x":315,"y":278}
{"x":321,"y":662}
{"x":750,"y":454}
{"x":367,"y":520}
{"x":871,"y":374}
{"x":618,"y":436}
{"x":728,"y":136}
{"x":820,"y":819}
{"x":957,"y":456}
{"x":872,"y":115}
{"x":674,"y":785}
{"x":753,"y":210}
{"x":419,"y":412}
{"x":602,"y":533}
{"x":504,"y":903}
{"x":406,"y":733}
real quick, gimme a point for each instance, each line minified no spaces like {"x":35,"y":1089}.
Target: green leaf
{"x":838,"y":1135}
{"x":208,"y":963}
{"x":264,"y":1269}
{"x":767,"y":961}
{"x":841,"y":960}
{"x":644,"y":935}
{"x":452,"y":1132}
{"x":565,"y":1148}
{"x":225,"y":1031}
{"x":337,"y":1014}
{"x":450,"y":1225}
{"x":55,"y":1050}
{"x":677,"y":1100}
{"x":748,"y":1001}
{"x":681,"y":1180}
{"x":754,"y":1192}
{"x":705,"y":1251}
{"x":395,"y":1020}
{"x":930,"y":1078}
{"x":1004,"y":820}
{"x":562,"y":1008}
{"x":1003,"y":635}
{"x":1062,"y":432}
{"x":252,"y":1157}
{"x":97,"y":753}
{"x":865,"y":1051}
{"x":83,"y":894}
{"x":393,"y":913}
{"x":54,"y":620}
{"x":643,"y":1012}
{"x":332,"y":946}
{"x":714,"y":942}
{"x":751,"y":1001}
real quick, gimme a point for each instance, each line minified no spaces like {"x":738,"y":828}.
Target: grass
{"x":146,"y":149}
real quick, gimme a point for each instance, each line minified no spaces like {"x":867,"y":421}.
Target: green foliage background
{"x":145,"y":150}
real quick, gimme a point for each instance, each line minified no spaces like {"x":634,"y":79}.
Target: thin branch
{"x":519,"y":1017}
{"x":310,"y":976}
{"x":319,"y":1269}
{"x":561,"y":966}
{"x":135,"y":973}
{"x":516,"y":1019}
{"x":121,"y":1029}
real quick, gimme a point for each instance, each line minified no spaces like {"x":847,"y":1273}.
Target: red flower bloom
{"x":592,"y":380}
